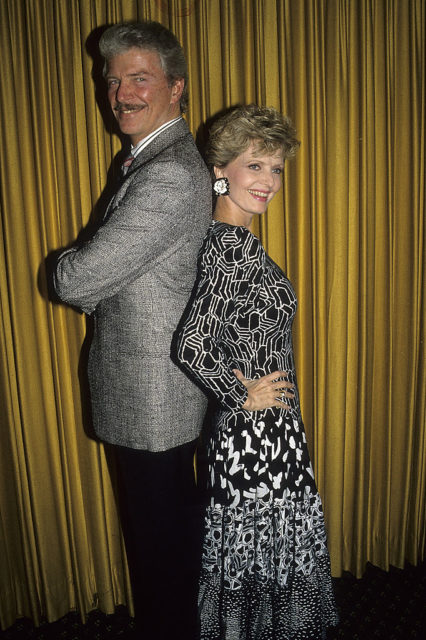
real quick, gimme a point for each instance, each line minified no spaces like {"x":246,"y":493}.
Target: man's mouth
{"x":128,"y":108}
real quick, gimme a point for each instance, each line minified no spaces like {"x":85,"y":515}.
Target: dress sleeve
{"x":230,"y":272}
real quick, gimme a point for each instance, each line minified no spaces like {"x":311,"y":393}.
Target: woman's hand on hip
{"x":267,"y":391}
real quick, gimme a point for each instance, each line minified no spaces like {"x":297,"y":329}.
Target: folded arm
{"x":153,"y":213}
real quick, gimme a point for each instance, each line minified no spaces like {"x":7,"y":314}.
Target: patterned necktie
{"x":126,"y":164}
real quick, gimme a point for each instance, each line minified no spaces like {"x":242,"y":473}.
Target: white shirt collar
{"x":142,"y":144}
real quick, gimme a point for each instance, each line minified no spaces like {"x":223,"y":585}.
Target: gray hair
{"x":265,"y":127}
{"x":152,"y":36}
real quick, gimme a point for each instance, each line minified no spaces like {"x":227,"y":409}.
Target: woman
{"x":266,"y":572}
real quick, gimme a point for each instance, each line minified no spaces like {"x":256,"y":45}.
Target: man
{"x":135,"y":277}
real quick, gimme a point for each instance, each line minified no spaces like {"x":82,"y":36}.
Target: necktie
{"x":126,"y":164}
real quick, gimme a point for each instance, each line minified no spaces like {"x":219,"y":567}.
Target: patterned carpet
{"x":381,"y":606}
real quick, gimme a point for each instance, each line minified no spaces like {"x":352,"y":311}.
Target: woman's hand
{"x":267,"y":391}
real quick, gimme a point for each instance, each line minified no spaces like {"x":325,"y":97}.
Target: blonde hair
{"x":233,"y":133}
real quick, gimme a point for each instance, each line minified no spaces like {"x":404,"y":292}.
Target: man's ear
{"x":177,"y":90}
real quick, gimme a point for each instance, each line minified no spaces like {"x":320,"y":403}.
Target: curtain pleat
{"x":348,"y":228}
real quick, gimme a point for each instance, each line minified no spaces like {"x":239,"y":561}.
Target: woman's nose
{"x":268,"y":179}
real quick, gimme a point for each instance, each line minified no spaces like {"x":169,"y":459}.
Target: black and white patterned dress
{"x":266,"y":568}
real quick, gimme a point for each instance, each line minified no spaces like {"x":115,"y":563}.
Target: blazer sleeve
{"x":230,"y":273}
{"x":152,"y":214}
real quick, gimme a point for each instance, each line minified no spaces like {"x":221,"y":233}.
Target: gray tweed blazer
{"x":135,"y":277}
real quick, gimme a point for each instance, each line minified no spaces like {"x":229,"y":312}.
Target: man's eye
{"x":111,"y":83}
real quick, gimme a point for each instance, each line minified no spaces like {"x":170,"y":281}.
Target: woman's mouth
{"x":259,"y":195}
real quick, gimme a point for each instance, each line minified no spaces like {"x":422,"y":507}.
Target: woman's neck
{"x":225,"y":212}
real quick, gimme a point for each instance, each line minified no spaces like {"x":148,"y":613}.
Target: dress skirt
{"x":266,"y":568}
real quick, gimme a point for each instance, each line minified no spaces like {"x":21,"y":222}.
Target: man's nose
{"x":123,"y":91}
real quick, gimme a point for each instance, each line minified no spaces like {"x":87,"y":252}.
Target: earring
{"x":221,"y":186}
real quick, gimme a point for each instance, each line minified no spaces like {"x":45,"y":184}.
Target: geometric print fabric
{"x":266,"y":569}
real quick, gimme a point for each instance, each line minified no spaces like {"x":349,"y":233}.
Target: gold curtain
{"x":348,"y":228}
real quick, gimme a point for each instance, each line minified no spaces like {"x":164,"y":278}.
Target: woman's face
{"x":253,"y":181}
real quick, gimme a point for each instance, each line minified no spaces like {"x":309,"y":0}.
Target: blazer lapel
{"x":166,"y":139}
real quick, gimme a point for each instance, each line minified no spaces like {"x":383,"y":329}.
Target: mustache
{"x":123,"y":106}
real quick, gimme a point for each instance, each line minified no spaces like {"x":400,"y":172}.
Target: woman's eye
{"x":278,"y":170}
{"x":254,"y":166}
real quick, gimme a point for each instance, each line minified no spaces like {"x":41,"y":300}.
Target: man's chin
{"x":131,"y":119}
{"x":128,"y":127}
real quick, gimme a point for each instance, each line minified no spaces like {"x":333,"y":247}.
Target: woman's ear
{"x":218,"y":172}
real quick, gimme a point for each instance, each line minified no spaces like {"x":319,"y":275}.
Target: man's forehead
{"x":134,"y":60}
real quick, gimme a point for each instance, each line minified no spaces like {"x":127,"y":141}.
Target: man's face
{"x":139,"y":94}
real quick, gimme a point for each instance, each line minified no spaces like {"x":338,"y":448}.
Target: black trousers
{"x":162,"y":517}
